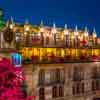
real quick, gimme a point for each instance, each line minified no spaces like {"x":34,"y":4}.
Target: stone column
{"x":1,"y":40}
{"x":68,"y":80}
{"x":87,"y":77}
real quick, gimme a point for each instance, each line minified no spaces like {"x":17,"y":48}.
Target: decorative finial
{"x":76,"y":29}
{"x":54,"y":25}
{"x":76,"y":33}
{"x":41,"y":24}
{"x":7,"y":23}
{"x":86,"y":29}
{"x":12,"y":21}
{"x":94,"y":31}
{"x":26,"y":21}
{"x":65,"y":26}
{"x":65,"y":30}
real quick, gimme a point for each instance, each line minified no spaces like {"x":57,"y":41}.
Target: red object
{"x":11,"y":80}
{"x":84,"y":42}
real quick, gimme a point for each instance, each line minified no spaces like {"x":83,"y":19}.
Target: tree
{"x":2,"y":22}
{"x":11,"y":82}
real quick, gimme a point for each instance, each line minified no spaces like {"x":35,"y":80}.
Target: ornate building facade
{"x":59,"y":63}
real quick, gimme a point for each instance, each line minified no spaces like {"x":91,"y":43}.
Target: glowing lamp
{"x":27,"y":28}
{"x":94,"y":35}
{"x":39,"y":34}
{"x":72,"y":37}
{"x":11,"y":26}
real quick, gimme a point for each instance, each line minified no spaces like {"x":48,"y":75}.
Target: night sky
{"x":71,"y":12}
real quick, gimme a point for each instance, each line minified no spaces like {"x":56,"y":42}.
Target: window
{"x":62,"y":75}
{"x":41,"y":94}
{"x":78,"y":88}
{"x":96,"y":79}
{"x":82,"y":87}
{"x":54,"y":92}
{"x":78,"y":75}
{"x":61,"y":91}
{"x":57,"y":75}
{"x":47,"y":40}
{"x":41,"y":77}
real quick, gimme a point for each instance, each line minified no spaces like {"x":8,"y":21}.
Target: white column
{"x":87,"y":77}
{"x":47,"y":76}
{"x":1,"y":40}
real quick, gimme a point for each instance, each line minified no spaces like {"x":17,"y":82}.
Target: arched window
{"x":54,"y":92}
{"x":96,"y":77}
{"x":41,"y":94}
{"x":57,"y":75}
{"x":61,"y":91}
{"x":41,"y":77}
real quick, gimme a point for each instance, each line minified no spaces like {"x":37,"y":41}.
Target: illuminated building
{"x":59,"y":63}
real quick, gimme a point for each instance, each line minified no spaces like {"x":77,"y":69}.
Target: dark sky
{"x":72,"y":12}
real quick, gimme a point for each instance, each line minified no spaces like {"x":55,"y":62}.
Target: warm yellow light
{"x":27,"y":28}
{"x":66,"y":32}
{"x":86,"y":34}
{"x":94,"y":35}
{"x":62,"y":36}
{"x":39,"y":34}
{"x":80,"y":37}
{"x":25,"y":33}
{"x":54,"y":31}
{"x":96,"y":51}
{"x":41,"y":29}
{"x":72,"y":37}
{"x":11,"y":26}
{"x":49,"y":50}
{"x":47,"y":35}
{"x":76,"y":33}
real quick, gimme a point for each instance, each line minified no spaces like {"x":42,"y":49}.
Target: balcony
{"x":45,"y":83}
{"x":66,"y":59}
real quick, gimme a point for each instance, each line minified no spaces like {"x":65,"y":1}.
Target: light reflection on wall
{"x":42,"y":53}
